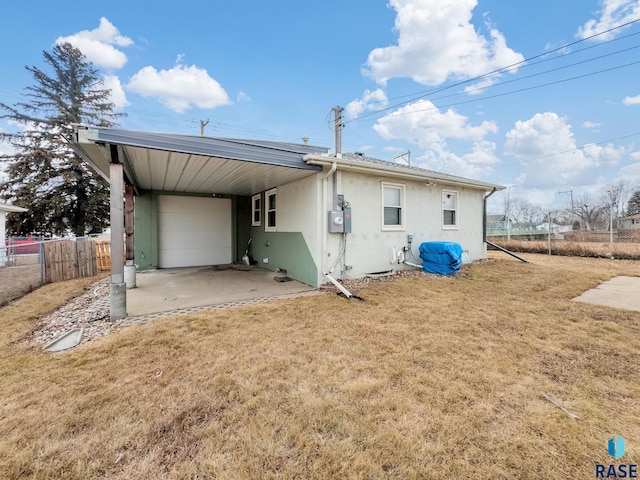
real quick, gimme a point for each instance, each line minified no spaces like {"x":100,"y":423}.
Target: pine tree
{"x":62,"y":194}
{"x":633,"y":205}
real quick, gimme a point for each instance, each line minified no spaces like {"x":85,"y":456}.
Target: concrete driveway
{"x":179,"y":288}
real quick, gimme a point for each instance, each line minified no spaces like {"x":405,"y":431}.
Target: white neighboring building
{"x":4,"y":209}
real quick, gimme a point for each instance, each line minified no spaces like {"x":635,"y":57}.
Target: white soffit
{"x":182,"y":172}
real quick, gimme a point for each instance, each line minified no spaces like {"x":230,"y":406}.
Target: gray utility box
{"x":336,"y":221}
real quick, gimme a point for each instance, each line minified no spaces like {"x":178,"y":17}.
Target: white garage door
{"x":193,"y":231}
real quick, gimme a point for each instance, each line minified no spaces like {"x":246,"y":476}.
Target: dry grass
{"x":431,"y":378}
{"x":18,"y":280}
{"x":624,"y":251}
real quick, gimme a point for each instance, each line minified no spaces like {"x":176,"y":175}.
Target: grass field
{"x":623,"y":251}
{"x":429,"y":378}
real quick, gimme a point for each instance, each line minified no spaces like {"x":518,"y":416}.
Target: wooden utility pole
{"x":337,"y":128}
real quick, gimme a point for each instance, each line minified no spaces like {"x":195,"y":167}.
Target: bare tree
{"x":589,"y":211}
{"x":615,"y":195}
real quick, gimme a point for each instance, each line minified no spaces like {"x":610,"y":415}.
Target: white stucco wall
{"x":369,"y":247}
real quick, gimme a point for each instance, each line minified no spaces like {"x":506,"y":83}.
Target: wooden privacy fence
{"x":65,"y":260}
{"x":103,"y":255}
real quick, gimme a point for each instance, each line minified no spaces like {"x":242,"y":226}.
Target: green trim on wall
{"x":285,"y":250}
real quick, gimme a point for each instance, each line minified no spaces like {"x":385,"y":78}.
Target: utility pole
{"x":202,"y":125}
{"x":405,"y":156}
{"x":337,"y":129}
{"x":611,"y":222}
{"x":570,"y":192}
{"x":549,"y":229}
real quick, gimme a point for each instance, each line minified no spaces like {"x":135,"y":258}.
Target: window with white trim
{"x":392,"y":206}
{"x":256,"y":210}
{"x":270,"y":206}
{"x":449,"y":209}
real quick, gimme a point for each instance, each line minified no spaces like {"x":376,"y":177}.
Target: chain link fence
{"x":24,"y":262}
{"x":616,"y":244}
{"x":21,"y":267}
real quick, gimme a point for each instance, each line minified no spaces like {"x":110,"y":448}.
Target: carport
{"x":198,"y":186}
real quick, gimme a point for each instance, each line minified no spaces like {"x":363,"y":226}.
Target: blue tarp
{"x":443,"y":258}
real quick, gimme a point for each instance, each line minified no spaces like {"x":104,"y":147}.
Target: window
{"x":270,"y":203}
{"x":256,"y":211}
{"x":392,"y":206}
{"x":449,"y":209}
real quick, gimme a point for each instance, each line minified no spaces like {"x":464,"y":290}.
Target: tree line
{"x":584,"y":212}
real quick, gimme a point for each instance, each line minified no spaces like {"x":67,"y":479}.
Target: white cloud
{"x":631,"y":171}
{"x":179,"y":88}
{"x":422,"y":124}
{"x":479,"y":87}
{"x":591,"y":125}
{"x":437,"y":43}
{"x":118,"y":96}
{"x":478,"y":164}
{"x":631,"y":100}
{"x":243,"y":97}
{"x":370,"y":101}
{"x":5,"y":148}
{"x":99,"y":45}
{"x":547,"y":151}
{"x":611,"y":14}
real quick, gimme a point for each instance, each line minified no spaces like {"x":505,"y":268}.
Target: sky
{"x":541,"y":97}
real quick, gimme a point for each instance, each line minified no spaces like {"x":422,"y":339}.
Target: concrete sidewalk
{"x":618,"y":292}
{"x":179,"y":288}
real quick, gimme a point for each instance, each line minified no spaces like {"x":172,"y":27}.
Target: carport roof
{"x":192,"y":164}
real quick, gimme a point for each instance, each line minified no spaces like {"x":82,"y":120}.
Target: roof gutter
{"x":391,"y":171}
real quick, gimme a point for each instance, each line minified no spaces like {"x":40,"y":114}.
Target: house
{"x":199,"y":201}
{"x":496,"y":219}
{"x":4,"y":209}
{"x":632,"y":222}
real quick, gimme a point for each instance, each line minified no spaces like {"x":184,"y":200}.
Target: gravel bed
{"x":89,"y":311}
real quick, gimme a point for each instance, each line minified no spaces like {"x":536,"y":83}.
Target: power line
{"x":423,"y":94}
{"x":497,"y":95}
{"x":584,"y":147}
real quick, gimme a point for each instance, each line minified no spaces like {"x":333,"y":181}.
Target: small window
{"x":392,"y":206}
{"x":449,"y":209}
{"x":256,"y":211}
{"x":270,"y":201}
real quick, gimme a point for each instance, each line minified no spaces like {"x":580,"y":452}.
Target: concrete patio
{"x":182,"y":288}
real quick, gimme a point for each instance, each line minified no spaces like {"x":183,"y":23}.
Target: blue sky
{"x":411,"y":75}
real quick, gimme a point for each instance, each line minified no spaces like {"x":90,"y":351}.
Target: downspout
{"x":484,"y":230}
{"x":327,"y":273}
{"x":484,"y":214}
{"x":325,"y":227}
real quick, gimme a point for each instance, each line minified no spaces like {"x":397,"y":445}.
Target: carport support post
{"x":118,"y":288}
{"x":129,"y":268}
